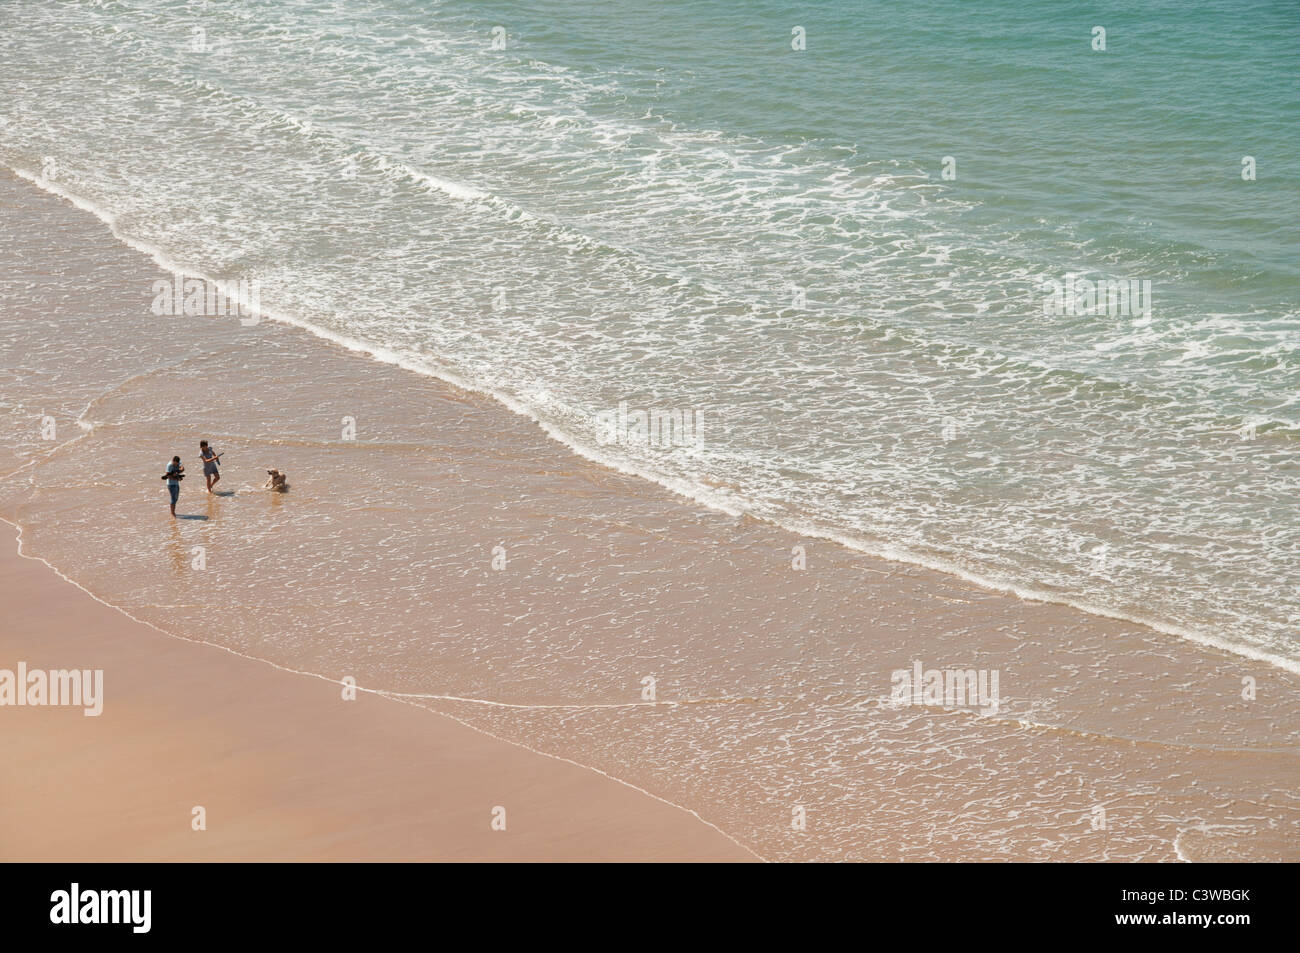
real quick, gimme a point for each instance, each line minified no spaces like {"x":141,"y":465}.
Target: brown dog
{"x":276,"y":481}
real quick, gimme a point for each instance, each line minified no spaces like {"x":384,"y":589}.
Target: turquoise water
{"x":666,"y":205}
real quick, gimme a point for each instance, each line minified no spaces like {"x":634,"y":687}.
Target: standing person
{"x":210,"y":460}
{"x":175,"y":473}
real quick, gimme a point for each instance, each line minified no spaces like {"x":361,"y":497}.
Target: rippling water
{"x":667,"y":206}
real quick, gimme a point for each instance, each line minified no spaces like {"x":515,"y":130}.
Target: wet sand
{"x":445,"y":552}
{"x":285,"y":769}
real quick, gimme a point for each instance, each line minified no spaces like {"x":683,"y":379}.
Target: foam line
{"x":698,"y":493}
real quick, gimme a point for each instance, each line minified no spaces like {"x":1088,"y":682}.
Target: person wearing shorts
{"x":210,"y":460}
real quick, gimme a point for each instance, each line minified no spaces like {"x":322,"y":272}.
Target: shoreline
{"x":282,"y":794}
{"x":772,"y":677}
{"x":689,"y":493}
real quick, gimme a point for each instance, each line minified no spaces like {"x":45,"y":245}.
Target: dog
{"x":277,"y":481}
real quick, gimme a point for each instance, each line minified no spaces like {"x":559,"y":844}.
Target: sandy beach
{"x":284,"y":768}
{"x":510,"y":597}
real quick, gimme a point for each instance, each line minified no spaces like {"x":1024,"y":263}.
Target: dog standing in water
{"x":276,"y":481}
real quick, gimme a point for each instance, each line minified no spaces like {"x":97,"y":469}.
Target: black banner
{"x":916,"y":905}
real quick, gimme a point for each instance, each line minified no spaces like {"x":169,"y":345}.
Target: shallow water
{"x":772,"y":684}
{"x":671,"y":208}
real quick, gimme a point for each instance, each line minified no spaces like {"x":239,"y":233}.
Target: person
{"x":210,"y":460}
{"x":175,"y":473}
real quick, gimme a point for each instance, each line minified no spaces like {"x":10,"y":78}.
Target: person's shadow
{"x":190,"y":516}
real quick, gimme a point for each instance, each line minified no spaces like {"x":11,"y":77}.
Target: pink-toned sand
{"x":285,"y":768}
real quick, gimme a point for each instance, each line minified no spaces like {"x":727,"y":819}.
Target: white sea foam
{"x":645,"y":256}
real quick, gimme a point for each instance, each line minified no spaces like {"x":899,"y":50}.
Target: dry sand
{"x":285,"y":768}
